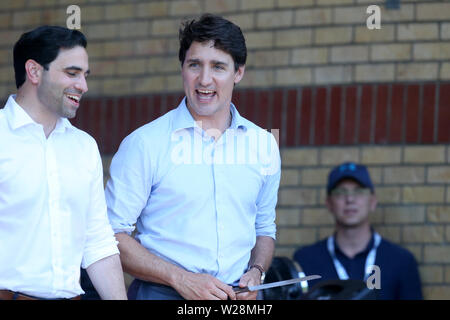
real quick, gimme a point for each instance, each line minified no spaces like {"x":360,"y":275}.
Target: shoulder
{"x":255,"y":128}
{"x":81,"y":142}
{"x":83,"y":138}
{"x":155,"y":127}
{"x":2,"y":118}
{"x":311,"y":251}
{"x":149,"y":140}
{"x":401,"y":255}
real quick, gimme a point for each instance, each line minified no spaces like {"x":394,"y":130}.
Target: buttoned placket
{"x":219,"y":172}
{"x":54,"y":215}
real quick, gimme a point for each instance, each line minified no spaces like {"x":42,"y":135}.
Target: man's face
{"x":351,"y":204}
{"x":208,"y":79}
{"x":63,"y":84}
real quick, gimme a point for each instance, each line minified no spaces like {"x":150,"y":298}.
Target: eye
{"x":193,"y":65}
{"x":72,"y":74}
{"x":219,"y":67}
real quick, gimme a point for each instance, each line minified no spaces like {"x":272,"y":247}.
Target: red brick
{"x":144,"y":109}
{"x":133,"y":114}
{"x":334,"y":134}
{"x":122,"y":120}
{"x":108,"y":135}
{"x":291,"y":118}
{"x":249,"y":111}
{"x":428,"y":111}
{"x":365,"y":115}
{"x":320,"y":123}
{"x":236,"y":99}
{"x":261,"y":110}
{"x":277,"y":111}
{"x":97,"y":125}
{"x":444,"y":114}
{"x":381,"y":114}
{"x":156,"y":107}
{"x":412,"y":114}
{"x":396,"y":123}
{"x":305,"y":120}
{"x":350,"y":115}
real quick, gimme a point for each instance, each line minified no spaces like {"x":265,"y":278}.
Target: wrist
{"x":260,"y":269}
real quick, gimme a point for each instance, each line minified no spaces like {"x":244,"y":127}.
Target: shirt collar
{"x":183,"y":118}
{"x":18,"y":117}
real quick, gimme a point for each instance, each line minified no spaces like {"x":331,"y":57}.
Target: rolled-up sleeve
{"x":128,"y":189}
{"x":268,"y":195}
{"x":100,"y":241}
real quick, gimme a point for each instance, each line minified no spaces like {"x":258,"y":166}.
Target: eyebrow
{"x":77,"y":69}
{"x":212,"y":61}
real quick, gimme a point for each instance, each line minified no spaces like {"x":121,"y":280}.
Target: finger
{"x":220,"y":295}
{"x":251,"y":295}
{"x":225,"y":290}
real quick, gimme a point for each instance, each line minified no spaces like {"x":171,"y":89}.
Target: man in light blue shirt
{"x":199,"y":183}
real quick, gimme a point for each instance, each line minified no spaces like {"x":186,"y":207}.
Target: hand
{"x":251,"y":278}
{"x":200,"y":286}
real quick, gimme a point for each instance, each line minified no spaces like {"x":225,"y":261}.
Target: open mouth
{"x":75,"y":99}
{"x":205,"y":95}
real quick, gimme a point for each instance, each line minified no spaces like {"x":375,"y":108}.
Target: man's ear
{"x":239,"y":74}
{"x":33,"y":71}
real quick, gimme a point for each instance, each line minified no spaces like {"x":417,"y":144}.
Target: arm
{"x":261,"y":255}
{"x":107,"y":277}
{"x":263,"y":250}
{"x":142,"y":264}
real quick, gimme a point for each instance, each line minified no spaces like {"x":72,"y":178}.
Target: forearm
{"x":261,"y":255}
{"x":262,"y":252}
{"x":107,"y":277}
{"x":142,"y":264}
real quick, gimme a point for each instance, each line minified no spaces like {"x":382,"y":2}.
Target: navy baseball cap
{"x":357,"y":172}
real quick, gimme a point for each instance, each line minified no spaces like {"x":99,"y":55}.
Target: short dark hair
{"x":42,"y":45}
{"x":226,"y":35}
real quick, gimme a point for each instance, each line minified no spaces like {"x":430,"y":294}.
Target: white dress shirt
{"x":52,"y":207}
{"x":198,"y":203}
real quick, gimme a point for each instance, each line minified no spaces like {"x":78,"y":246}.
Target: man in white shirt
{"x":52,"y":207}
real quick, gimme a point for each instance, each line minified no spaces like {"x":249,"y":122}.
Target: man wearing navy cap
{"x":355,"y":247}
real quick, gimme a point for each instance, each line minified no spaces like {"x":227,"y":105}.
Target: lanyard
{"x":370,"y":260}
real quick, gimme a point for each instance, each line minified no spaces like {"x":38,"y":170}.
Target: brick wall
{"x":133,"y":44}
{"x":412,"y":186}
{"x":336,"y":90}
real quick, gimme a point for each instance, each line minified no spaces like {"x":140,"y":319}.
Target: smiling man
{"x":200,"y":183}
{"x":52,"y":206}
{"x":355,"y":247}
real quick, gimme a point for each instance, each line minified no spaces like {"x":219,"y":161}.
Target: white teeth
{"x":206,"y":91}
{"x":74,"y":97}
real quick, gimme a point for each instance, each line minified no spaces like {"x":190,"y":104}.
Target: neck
{"x":215,"y":125}
{"x":351,"y":241}
{"x":39,"y":113}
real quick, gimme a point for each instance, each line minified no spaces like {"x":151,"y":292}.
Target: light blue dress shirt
{"x":196,"y":202}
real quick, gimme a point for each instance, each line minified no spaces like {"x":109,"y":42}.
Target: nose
{"x":82,"y":84}
{"x":205,"y":77}
{"x":350,"y":197}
